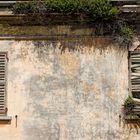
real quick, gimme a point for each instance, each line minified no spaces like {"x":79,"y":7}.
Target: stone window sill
{"x":5,"y":118}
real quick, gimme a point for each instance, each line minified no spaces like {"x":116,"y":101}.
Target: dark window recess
{"x":135,"y":73}
{"x":3,"y":74}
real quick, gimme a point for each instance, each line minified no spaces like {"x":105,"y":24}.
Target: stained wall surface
{"x":66,"y":90}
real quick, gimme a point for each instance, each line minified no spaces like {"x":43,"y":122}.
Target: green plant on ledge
{"x":129,"y":102}
{"x":102,"y":13}
{"x":96,"y":9}
{"x":127,"y":33}
{"x":129,"y":105}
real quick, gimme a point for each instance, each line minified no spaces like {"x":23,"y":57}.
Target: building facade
{"x":66,"y":88}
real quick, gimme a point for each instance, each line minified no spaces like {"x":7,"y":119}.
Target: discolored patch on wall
{"x":66,"y":95}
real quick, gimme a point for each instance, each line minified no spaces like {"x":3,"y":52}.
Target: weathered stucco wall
{"x":62,"y":93}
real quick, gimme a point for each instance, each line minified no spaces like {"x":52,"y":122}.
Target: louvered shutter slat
{"x":135,"y":74}
{"x":3,"y":62}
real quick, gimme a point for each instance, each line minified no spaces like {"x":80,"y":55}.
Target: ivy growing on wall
{"x":104,"y":15}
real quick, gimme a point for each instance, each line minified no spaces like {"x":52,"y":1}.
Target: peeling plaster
{"x":69,"y":95}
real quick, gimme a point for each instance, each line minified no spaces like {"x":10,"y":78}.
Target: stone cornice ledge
{"x":49,"y":37}
{"x":5,"y":118}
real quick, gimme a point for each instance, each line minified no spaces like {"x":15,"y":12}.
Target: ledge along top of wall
{"x":7,"y":17}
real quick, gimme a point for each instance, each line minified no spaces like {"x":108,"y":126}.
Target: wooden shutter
{"x":3,"y":70}
{"x":135,"y":73}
